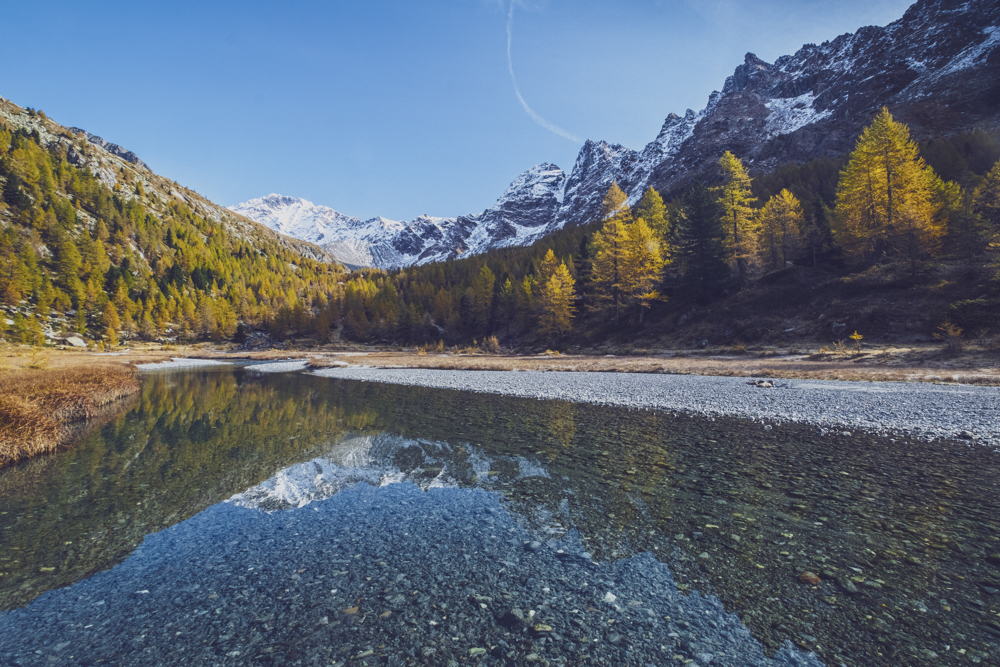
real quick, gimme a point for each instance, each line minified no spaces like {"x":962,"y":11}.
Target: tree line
{"x":124,"y":262}
{"x":882,"y":203}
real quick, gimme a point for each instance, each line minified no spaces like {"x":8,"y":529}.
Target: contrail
{"x":551,"y":127}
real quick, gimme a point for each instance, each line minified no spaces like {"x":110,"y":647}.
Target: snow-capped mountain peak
{"x":519,"y":216}
{"x":296,"y":217}
{"x":937,"y":68}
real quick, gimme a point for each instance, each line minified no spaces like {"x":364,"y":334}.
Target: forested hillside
{"x":98,"y":246}
{"x":750,"y":253}
{"x":894,"y":239}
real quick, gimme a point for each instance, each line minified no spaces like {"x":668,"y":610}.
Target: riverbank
{"x":42,"y":409}
{"x":889,"y":408}
{"x":43,"y":397}
{"x":928,"y":363}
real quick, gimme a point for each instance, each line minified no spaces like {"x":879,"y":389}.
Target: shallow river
{"x":289,"y":519}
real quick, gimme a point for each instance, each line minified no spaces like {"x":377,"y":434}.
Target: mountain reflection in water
{"x":903,"y":536}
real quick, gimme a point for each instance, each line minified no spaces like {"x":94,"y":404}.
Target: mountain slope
{"x":112,"y":165}
{"x":94,"y":243}
{"x":937,"y":69}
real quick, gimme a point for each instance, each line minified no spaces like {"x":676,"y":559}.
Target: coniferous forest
{"x":120,"y":262}
{"x":892,"y":206}
{"x":114,"y":263}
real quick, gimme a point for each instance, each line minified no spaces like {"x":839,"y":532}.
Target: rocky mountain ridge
{"x":937,"y":69}
{"x":519,"y":217}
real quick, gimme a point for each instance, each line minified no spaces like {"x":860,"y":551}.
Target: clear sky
{"x":387,"y":107}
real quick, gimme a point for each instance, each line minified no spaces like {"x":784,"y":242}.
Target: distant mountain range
{"x":937,"y":69}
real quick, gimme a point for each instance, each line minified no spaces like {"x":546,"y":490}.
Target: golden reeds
{"x":39,"y":407}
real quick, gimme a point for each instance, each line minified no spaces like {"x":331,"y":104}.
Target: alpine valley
{"x":937,"y":69}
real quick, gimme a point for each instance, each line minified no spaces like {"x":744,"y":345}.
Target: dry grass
{"x":319,"y":363}
{"x":880,"y":365}
{"x":39,"y":407}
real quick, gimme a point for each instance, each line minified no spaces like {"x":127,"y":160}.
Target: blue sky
{"x":387,"y":107}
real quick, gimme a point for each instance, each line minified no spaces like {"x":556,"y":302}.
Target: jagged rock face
{"x":598,"y":165}
{"x":936,"y":69}
{"x":518,"y":218}
{"x":114,"y":149}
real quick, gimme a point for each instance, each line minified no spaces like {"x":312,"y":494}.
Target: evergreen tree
{"x":507,"y":304}
{"x":701,"y":244}
{"x":734,"y":202}
{"x":780,"y":221}
{"x":483,"y":300}
{"x":13,"y":194}
{"x":884,"y":198}
{"x":987,"y":201}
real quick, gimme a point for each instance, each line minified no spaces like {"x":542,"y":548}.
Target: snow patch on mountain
{"x":519,"y":217}
{"x":789,"y":114}
{"x":974,"y":54}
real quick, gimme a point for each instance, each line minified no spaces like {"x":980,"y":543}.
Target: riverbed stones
{"x":372,"y":536}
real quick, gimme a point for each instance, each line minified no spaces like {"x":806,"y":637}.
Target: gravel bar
{"x":915,"y":409}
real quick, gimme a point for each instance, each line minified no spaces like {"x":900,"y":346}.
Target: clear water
{"x":903,"y":536}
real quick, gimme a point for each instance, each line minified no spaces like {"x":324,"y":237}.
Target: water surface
{"x":902,"y":536}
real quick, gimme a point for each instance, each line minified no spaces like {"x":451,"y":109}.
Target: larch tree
{"x":607,"y":250}
{"x":112,"y":323}
{"x":780,"y":222}
{"x":547,"y":266}
{"x":652,"y":209}
{"x":555,"y":301}
{"x":735,"y":199}
{"x":613,"y":202}
{"x":885,"y":196}
{"x":642,"y":266}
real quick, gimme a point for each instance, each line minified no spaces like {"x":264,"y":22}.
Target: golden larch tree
{"x":607,"y":250}
{"x":885,"y":196}
{"x":652,"y":209}
{"x":781,"y":220}
{"x":614,"y":201}
{"x":555,"y":301}
{"x":735,"y":200}
{"x":642,"y":266}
